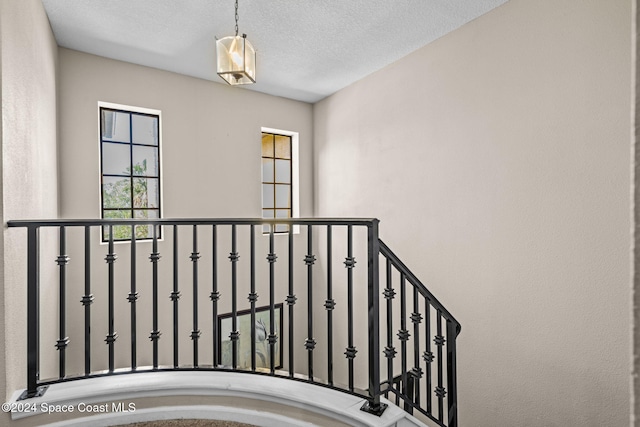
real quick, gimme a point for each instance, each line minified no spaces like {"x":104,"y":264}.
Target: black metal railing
{"x":413,"y":386}
{"x":318,"y":343}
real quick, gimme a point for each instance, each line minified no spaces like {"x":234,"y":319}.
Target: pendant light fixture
{"x":236,"y":58}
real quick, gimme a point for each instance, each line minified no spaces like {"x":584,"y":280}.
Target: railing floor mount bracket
{"x":377,"y":411}
{"x":39,"y":392}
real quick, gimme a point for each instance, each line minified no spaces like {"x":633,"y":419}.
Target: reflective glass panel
{"x":145,"y":231}
{"x":283,"y":196}
{"x":120,"y":232}
{"x":116,"y":192}
{"x":116,"y":159}
{"x":267,"y":213}
{"x":115,"y":126}
{"x":283,"y":146}
{"x":282,"y":213}
{"x":145,"y":129}
{"x":145,"y":161}
{"x":267,"y":196}
{"x":267,"y":145}
{"x":145,"y":193}
{"x":267,"y":170}
{"x":283,"y":171}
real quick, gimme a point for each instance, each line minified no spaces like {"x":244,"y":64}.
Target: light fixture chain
{"x":236,"y":18}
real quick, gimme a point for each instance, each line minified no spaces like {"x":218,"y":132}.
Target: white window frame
{"x":295,"y":174}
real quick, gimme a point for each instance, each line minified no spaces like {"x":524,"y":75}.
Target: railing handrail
{"x":388,"y":253}
{"x":189,"y":221}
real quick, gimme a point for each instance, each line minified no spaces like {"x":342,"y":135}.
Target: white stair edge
{"x":118,"y":388}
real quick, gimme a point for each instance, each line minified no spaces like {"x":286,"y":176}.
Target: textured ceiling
{"x":307,"y":49}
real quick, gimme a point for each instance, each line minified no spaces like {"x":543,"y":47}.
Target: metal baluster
{"x":350,"y":263}
{"x":329,"y":305}
{"x":440,"y":391}
{"x":215,"y":295}
{"x":175,"y":296}
{"x":112,"y":336}
{"x":403,"y":334}
{"x":87,"y":300}
{"x":155,"y":333}
{"x":452,"y":375}
{"x":253,"y":297}
{"x":234,"y":335}
{"x":416,"y":318}
{"x":195,"y":332}
{"x":309,"y":259}
{"x":291,"y":300}
{"x":428,"y":354}
{"x":132,"y":298}
{"x":62,"y":262}
{"x":389,"y":351}
{"x":272,"y":339}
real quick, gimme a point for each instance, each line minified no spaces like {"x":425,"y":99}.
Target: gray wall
{"x":497,"y":159}
{"x":28,"y":64}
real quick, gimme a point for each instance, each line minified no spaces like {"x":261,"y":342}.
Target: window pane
{"x":145,"y":193}
{"x":267,"y":145}
{"x":116,"y":159}
{"x":145,"y":161}
{"x":120,"y":232}
{"x":282,"y":213}
{"x":267,"y":213}
{"x":283,"y":196}
{"x":283,"y":147}
{"x":145,"y":129}
{"x":145,"y":231}
{"x":115,"y":126}
{"x":283,"y":171}
{"x":116,"y":192}
{"x":267,"y":170}
{"x":267,"y":196}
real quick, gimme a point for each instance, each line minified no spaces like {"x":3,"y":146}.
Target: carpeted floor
{"x":188,"y":423}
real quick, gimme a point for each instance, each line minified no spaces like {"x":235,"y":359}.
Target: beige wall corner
{"x":29,"y":165}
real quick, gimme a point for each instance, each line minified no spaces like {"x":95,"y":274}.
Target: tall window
{"x":277,"y":182}
{"x":130,"y":163}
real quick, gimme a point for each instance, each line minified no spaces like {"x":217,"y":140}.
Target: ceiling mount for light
{"x":236,"y":58}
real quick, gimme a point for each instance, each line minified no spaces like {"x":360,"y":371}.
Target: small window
{"x":277,"y":178}
{"x":130,"y":168}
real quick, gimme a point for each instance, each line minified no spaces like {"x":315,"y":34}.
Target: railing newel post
{"x":33,"y":311}
{"x":373,"y":405}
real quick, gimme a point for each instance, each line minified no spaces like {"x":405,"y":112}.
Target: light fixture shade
{"x":236,"y":60}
